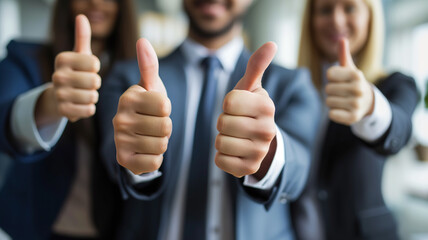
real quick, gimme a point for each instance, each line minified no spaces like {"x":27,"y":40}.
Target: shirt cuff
{"x":26,"y":135}
{"x":145,"y":177}
{"x":275,"y":169}
{"x":374,"y":126}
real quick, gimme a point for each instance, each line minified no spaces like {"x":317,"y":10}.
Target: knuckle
{"x":95,"y":63}
{"x":89,"y":111}
{"x":220,"y":161}
{"x":61,"y":59}
{"x":229,"y":100}
{"x":61,"y":95}
{"x":154,"y":163}
{"x":165,"y":106}
{"x":353,"y":117}
{"x":271,"y":131}
{"x":127,"y":99}
{"x":120,"y":140}
{"x":122,"y":160}
{"x":221,"y":123}
{"x":95,"y":81}
{"x":250,"y":168}
{"x":266,"y":131}
{"x":94,"y":97}
{"x":166,"y":126}
{"x":163,"y":145}
{"x":219,"y":143}
{"x":122,"y":123}
{"x":118,"y":121}
{"x":262,"y":151}
{"x":269,"y":107}
{"x":58,"y":78}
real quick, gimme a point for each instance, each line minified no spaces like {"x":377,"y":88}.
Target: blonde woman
{"x":367,"y":111}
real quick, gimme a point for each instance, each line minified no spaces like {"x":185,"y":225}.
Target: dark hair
{"x":120,"y":43}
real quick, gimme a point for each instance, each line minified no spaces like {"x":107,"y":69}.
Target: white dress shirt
{"x":28,"y":137}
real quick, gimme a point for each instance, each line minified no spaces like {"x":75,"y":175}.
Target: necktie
{"x":196,"y":196}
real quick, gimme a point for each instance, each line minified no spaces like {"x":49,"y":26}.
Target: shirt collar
{"x":228,"y":54}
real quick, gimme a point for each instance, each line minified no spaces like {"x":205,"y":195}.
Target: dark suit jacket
{"x":350,"y":173}
{"x":37,"y":184}
{"x":258,"y":214}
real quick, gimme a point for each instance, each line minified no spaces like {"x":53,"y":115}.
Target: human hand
{"x":246,"y":126}
{"x":142,"y":125}
{"x":350,"y":96}
{"x":75,"y":80}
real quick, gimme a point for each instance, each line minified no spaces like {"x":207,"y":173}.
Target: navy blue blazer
{"x":350,"y":171}
{"x":258,"y":214}
{"x":37,"y":184}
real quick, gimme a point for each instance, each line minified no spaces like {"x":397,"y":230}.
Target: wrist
{"x":46,"y":110}
{"x":267,"y":161}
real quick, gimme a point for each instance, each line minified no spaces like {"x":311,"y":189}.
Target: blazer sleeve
{"x":123,"y":75}
{"x":297,"y":114}
{"x":16,"y":78}
{"x":402,"y":95}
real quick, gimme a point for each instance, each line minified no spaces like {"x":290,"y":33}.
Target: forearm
{"x":45,"y":111}
{"x":24,"y":131}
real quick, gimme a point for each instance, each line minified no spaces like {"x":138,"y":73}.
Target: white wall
{"x":35,"y":19}
{"x":9,"y":23}
{"x":278,"y":21}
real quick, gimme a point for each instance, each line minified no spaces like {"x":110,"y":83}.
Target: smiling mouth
{"x":211,"y":8}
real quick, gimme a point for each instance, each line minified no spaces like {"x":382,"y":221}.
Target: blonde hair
{"x":370,"y":57}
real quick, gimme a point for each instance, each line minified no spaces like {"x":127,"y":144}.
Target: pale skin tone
{"x":341,"y":29}
{"x":75,"y":78}
{"x":246,"y":140}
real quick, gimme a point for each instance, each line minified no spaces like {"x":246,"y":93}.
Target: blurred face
{"x":212,"y":18}
{"x":334,"y":19}
{"x":102,"y":15}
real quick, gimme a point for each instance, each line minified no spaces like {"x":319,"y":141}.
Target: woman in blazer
{"x":57,"y":187}
{"x":367,"y":118}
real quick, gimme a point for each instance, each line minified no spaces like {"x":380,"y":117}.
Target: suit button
{"x":322,"y":195}
{"x":283,"y":198}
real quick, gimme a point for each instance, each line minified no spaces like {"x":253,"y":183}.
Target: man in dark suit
{"x":264,"y":141}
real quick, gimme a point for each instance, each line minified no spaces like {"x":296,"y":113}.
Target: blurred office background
{"x":406,"y":49}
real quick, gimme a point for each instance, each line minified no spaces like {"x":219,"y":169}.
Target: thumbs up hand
{"x":142,"y":125}
{"x":350,"y":96}
{"x":75,"y":79}
{"x":246,"y":126}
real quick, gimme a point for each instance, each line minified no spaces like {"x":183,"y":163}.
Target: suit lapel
{"x":240,"y":68}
